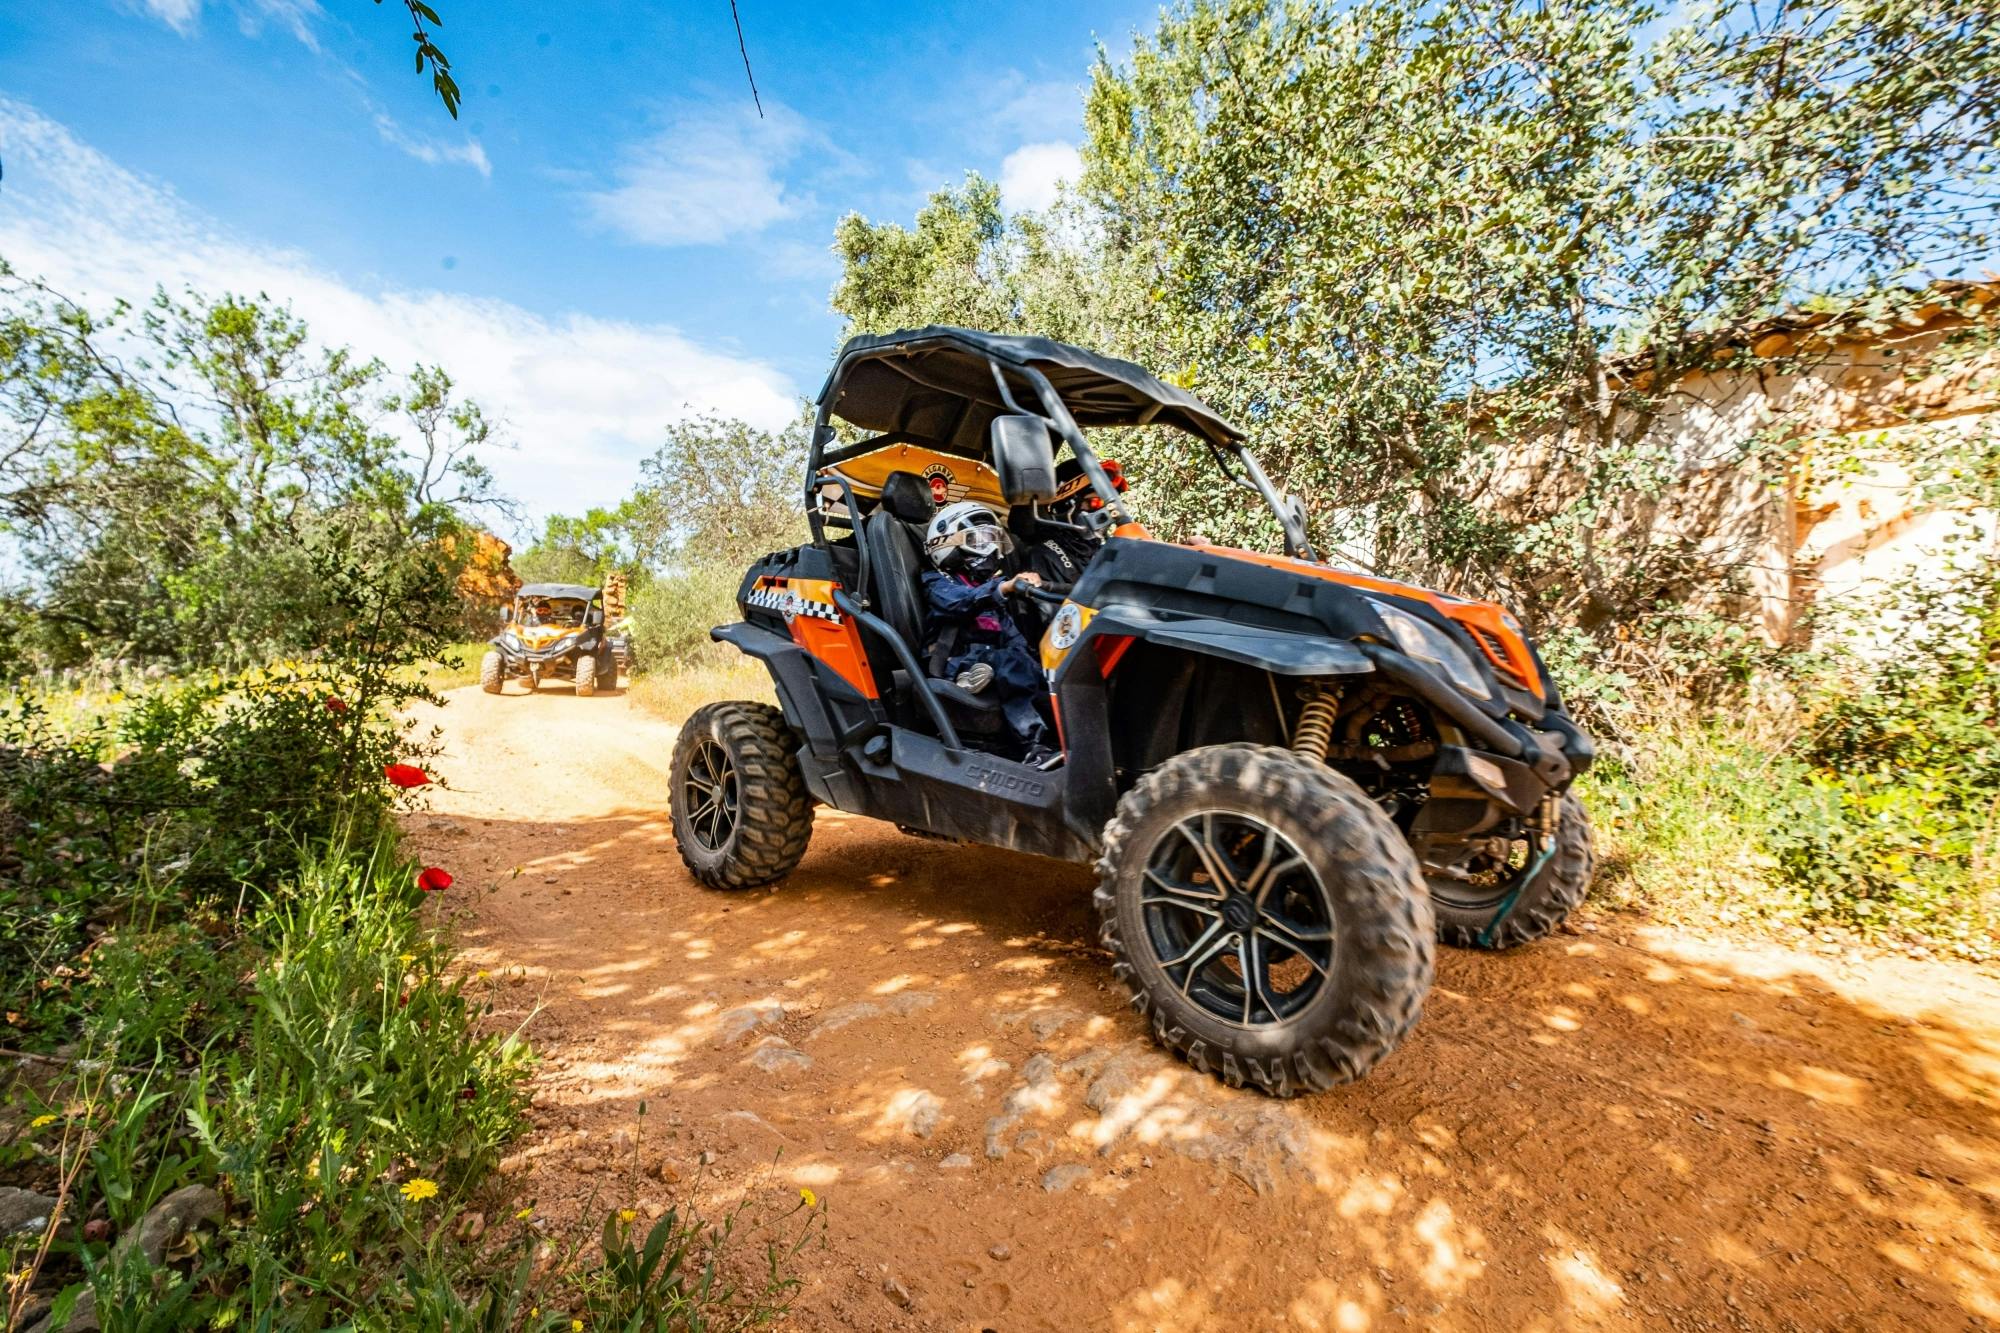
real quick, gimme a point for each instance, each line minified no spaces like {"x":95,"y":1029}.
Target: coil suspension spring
{"x":1314,"y":733}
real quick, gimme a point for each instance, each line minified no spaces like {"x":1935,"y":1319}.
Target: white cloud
{"x":295,"y":16}
{"x":1030,"y":174}
{"x":585,"y":397}
{"x":176,"y":14}
{"x":711,"y":173}
{"x":426,"y":149}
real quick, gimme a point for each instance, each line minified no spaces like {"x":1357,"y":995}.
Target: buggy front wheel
{"x":741,"y":813}
{"x":1268,"y":919}
{"x":492,"y":673}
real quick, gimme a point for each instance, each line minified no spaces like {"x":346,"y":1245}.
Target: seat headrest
{"x":908,"y":497}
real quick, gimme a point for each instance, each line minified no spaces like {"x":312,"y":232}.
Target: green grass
{"x":226,"y":1006}
{"x":457,"y":666}
{"x":675,"y":694}
{"x":312,"y":1057}
{"x":1715,"y":819}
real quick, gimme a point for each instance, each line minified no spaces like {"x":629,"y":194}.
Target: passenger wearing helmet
{"x":1058,"y":545}
{"x":973,"y":638}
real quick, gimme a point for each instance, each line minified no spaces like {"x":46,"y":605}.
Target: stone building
{"x":1824,"y":513}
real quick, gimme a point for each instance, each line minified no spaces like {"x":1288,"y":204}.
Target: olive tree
{"x":1388,"y":235}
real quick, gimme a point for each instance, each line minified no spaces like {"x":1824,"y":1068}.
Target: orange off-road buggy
{"x":1291,"y":778}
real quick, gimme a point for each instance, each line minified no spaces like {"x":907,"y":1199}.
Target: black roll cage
{"x":1053,"y":410}
{"x":593,"y":605}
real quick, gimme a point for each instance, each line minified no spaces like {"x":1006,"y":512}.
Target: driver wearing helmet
{"x":1057,"y":545}
{"x":971,"y":629}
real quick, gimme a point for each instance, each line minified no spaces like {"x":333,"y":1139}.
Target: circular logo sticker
{"x":1067,"y":625}
{"x":941,"y":479}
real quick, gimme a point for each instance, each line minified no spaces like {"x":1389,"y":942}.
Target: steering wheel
{"x":1040,"y":593}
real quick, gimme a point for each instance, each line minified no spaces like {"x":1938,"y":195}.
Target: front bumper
{"x":560,"y":651}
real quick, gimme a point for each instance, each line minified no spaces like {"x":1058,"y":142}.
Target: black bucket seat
{"x":894,"y":537}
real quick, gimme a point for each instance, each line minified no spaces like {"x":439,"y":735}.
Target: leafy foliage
{"x":1387,"y":235}
{"x":672,"y":615}
{"x":429,"y":56}
{"x":717,"y":494}
{"x":219,"y":493}
{"x":722,"y":490}
{"x":968,"y":262}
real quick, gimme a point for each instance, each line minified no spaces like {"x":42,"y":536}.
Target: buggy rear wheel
{"x":492,"y":673}
{"x":584,"y":673}
{"x":1499,"y":908}
{"x":741,"y":813}
{"x":1267,"y":918}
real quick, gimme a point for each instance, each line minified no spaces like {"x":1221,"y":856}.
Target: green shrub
{"x":1899,"y":819}
{"x":179,"y":801}
{"x":671,"y":616}
{"x":1858,"y":791}
{"x":313,"y":1067}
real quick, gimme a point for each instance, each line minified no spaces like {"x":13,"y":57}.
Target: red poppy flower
{"x":335,"y":704}
{"x":433,"y":878}
{"x":406,"y":775}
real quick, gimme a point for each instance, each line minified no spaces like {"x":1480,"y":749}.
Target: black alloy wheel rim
{"x":708,"y":793}
{"x":1238,"y":919}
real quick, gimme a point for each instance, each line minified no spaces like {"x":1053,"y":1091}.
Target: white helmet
{"x":965,"y":535}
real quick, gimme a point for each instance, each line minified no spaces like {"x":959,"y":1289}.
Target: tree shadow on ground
{"x":1584,"y":1131}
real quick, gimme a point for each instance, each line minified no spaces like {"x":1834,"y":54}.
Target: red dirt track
{"x":1626,"y":1127}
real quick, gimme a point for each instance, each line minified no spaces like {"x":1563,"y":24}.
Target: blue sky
{"x":607,"y":237}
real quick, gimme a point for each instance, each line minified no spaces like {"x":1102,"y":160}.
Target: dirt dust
{"x":1624,"y":1127}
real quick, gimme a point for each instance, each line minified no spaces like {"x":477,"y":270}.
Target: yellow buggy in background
{"x":562,"y":631}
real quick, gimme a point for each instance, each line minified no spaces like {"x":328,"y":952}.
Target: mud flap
{"x":791,"y":676}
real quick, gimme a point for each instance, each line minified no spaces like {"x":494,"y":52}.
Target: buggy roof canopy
{"x":581,"y":591}
{"x":935,"y":385}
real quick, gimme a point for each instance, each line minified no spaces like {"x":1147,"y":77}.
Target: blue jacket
{"x":954,"y":603}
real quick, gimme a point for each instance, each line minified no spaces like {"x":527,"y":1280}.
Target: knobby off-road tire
{"x":584,"y":673}
{"x":1543,"y":903}
{"x":607,"y":669}
{"x":1355,"y":904}
{"x":492,"y":673}
{"x":741,"y":813}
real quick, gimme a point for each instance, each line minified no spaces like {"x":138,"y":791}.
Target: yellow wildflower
{"x":19,"y":1279}
{"x":481,"y":975}
{"x":41,"y":1122}
{"x":416,"y":1191}
{"x":406,"y":958}
{"x":525,"y":1213}
{"x":576,"y":1326}
{"x":628,"y":1214}
{"x":812,"y":1200}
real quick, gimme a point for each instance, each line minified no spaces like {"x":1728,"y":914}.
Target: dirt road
{"x":1623,"y":1127}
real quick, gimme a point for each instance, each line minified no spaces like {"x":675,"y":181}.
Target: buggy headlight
{"x":1427,"y":643}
